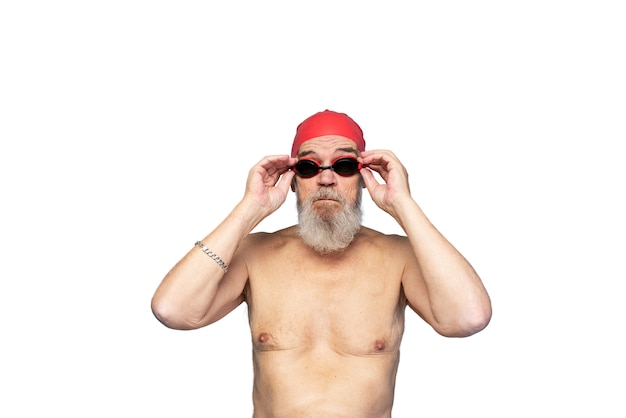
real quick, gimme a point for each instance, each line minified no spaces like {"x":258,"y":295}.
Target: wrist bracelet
{"x":214,"y":256}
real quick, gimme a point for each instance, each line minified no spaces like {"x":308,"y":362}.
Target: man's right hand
{"x":269,"y":181}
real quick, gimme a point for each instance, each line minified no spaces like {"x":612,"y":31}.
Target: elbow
{"x":166,"y":314}
{"x":475,"y":317}
{"x":161,"y":312}
{"x":476,"y":321}
{"x":467,"y":323}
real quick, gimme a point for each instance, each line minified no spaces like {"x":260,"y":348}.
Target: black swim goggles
{"x":344,"y":166}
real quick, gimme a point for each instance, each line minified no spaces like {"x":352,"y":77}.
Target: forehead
{"x":328,"y":144}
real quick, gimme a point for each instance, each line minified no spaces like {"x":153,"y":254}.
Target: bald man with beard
{"x":326,"y":297}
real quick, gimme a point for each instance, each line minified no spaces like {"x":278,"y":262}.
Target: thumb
{"x":369,"y":179}
{"x":285,"y":181}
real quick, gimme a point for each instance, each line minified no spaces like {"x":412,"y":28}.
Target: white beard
{"x":323,"y":232}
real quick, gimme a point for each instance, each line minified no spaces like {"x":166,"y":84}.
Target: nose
{"x":326,"y":178}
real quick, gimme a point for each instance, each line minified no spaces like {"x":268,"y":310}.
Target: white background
{"x":128,"y":129}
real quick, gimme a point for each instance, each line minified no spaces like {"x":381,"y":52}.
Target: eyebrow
{"x":350,"y":150}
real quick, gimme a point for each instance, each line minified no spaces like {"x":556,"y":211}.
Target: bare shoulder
{"x":261,"y":242}
{"x":388,"y":242}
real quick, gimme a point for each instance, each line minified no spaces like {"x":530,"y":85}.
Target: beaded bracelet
{"x":214,"y":256}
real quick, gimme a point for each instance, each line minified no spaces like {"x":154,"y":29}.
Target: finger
{"x":378,"y":157}
{"x":369,"y":179}
{"x":379,"y":167}
{"x":277,"y":162}
{"x":275,"y":166}
{"x":285,"y":181}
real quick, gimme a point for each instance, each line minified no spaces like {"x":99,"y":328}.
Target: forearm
{"x":186,"y":297}
{"x":458,"y":301}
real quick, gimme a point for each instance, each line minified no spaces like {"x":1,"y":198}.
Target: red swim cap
{"x":328,"y":123}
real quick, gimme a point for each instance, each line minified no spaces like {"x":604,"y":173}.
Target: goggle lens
{"x":345,"y":167}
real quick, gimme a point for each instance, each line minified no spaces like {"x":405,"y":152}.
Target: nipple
{"x":379,"y":345}
{"x":264,"y":337}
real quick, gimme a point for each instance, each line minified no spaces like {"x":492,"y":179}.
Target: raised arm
{"x":198,"y":291}
{"x":439,"y":283}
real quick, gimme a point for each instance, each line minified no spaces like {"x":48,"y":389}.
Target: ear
{"x":293,"y":184}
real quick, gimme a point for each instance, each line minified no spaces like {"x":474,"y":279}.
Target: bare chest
{"x":350,"y":306}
